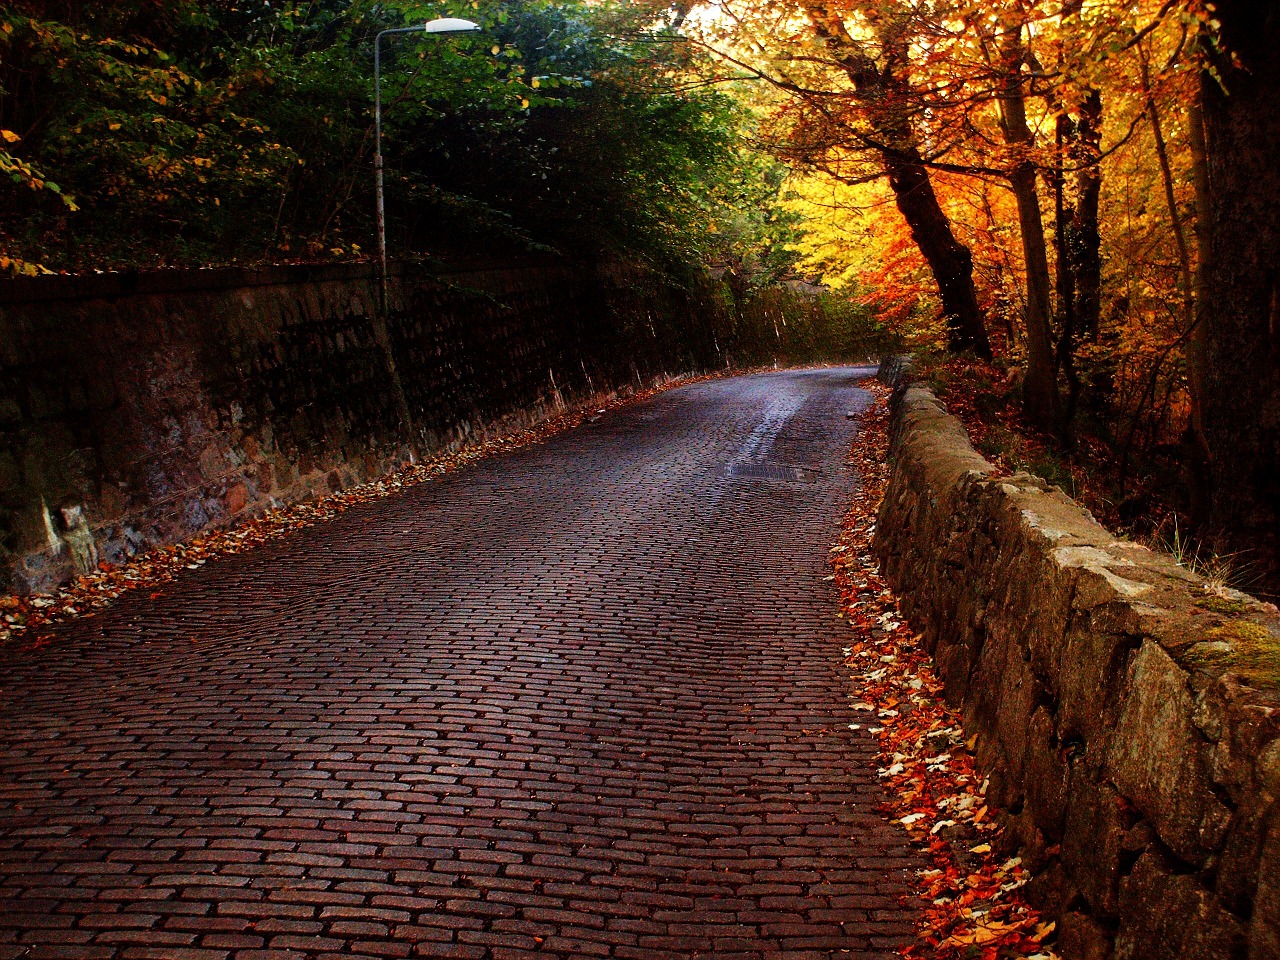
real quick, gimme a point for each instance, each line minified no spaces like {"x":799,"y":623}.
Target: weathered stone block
{"x":1264,"y":930}
{"x":1093,"y":841}
{"x":236,"y":498}
{"x":1046,"y":775}
{"x":1165,"y":915}
{"x":1004,"y":695}
{"x":1082,"y":938}
{"x":1158,"y":758}
{"x":10,"y":476}
{"x":1096,"y":649}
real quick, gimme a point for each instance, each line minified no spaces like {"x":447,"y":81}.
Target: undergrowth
{"x":1138,"y":502}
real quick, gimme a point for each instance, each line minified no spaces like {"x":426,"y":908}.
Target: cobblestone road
{"x":581,"y":700}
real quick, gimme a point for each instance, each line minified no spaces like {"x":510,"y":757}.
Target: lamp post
{"x":443,"y":25}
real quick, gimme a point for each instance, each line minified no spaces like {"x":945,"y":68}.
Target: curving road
{"x":583,"y":700}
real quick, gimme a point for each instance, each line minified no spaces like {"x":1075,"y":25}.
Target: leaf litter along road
{"x":89,"y":594}
{"x":972,"y":908}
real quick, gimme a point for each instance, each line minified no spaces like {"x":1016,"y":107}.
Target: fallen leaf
{"x":926,"y":761}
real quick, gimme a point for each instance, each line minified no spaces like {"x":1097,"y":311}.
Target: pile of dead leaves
{"x":972,"y":909}
{"x":151,"y":570}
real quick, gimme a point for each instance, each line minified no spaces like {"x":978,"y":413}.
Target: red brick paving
{"x":583,"y":700}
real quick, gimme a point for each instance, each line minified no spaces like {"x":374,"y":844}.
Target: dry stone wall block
{"x":1094,"y":841}
{"x":1264,"y":931}
{"x":1004,"y":697}
{"x":1082,"y":937}
{"x":1096,"y":650}
{"x":1168,"y":916}
{"x":1047,"y":775}
{"x":1158,"y":758}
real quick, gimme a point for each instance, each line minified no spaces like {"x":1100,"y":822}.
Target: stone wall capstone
{"x":1127,"y":712}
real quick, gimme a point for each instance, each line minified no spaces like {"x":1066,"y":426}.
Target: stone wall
{"x":1127,"y":712}
{"x":139,"y":409}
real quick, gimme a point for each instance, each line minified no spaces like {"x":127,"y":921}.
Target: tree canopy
{"x":243,"y":132}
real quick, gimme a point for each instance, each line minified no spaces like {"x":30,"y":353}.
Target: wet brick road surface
{"x":581,"y":700}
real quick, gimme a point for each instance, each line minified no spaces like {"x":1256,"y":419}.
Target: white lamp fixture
{"x":450,"y":25}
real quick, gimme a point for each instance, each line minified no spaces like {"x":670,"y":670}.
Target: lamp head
{"x":450,"y":25}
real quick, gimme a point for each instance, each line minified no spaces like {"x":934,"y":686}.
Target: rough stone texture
{"x":139,"y":409}
{"x":586,"y":699}
{"x":1128,"y":712}
{"x":1171,"y":912}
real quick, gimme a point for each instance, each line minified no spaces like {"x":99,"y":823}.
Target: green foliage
{"x":800,"y":325}
{"x":139,"y":139}
{"x":195,"y":132}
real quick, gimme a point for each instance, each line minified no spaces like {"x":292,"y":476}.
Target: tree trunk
{"x":1195,"y":451}
{"x":1242,"y":360}
{"x":1064,"y":212}
{"x":949,"y":260}
{"x":883,"y":93}
{"x":1198,"y":456}
{"x":1170,"y":196}
{"x":1086,"y":239}
{"x":1040,"y":396}
{"x":1064,"y":239}
{"x":1078,"y":239}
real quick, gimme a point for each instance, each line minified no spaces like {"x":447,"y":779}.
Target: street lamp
{"x":442,"y":25}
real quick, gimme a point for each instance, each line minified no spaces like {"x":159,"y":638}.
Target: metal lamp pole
{"x":443,"y":25}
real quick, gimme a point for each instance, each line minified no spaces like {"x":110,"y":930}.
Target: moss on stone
{"x":1217,"y":604}
{"x":1243,"y":632}
{"x":1242,"y":646}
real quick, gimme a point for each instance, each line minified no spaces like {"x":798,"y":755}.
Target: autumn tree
{"x":1004,"y":49}
{"x":1076,"y":180}
{"x":1160,"y":286}
{"x":882,"y":89}
{"x":852,"y":97}
{"x":929,"y":90}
